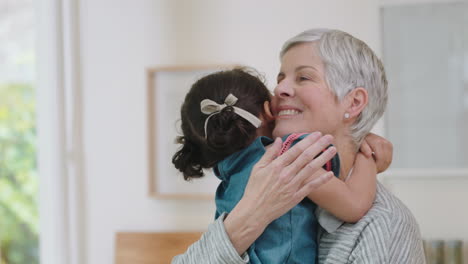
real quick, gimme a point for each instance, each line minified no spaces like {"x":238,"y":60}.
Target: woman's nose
{"x":284,"y":89}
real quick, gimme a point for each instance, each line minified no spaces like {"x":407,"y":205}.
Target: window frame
{"x":392,"y":177}
{"x":61,"y":205}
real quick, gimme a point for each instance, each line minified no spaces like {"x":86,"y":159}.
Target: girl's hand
{"x":380,"y":149}
{"x":277,"y":184}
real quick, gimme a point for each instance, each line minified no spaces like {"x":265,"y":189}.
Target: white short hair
{"x":349,"y":63}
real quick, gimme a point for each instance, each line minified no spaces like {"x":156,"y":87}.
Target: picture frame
{"x":166,"y":90}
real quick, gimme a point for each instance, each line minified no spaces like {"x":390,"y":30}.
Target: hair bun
{"x":224,"y":127}
{"x":186,"y":160}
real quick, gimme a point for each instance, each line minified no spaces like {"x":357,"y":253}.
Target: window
{"x":18,"y":174}
{"x":426,"y":58}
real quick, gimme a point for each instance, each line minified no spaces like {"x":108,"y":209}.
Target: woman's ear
{"x":357,"y":99}
{"x":267,"y":111}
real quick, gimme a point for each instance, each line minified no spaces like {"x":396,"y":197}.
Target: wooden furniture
{"x":151,"y":248}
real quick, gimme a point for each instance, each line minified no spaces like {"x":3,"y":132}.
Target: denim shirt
{"x":292,"y":238}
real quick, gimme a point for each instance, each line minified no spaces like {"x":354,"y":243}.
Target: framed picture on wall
{"x":167,"y":87}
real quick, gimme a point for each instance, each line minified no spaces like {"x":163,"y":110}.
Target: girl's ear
{"x":357,"y":100}
{"x":267,"y":111}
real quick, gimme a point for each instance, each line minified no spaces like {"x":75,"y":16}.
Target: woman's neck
{"x":347,"y":153}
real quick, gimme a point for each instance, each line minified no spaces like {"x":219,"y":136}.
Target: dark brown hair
{"x":227,"y":132}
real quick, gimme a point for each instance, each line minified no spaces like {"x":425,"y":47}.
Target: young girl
{"x":226,"y":125}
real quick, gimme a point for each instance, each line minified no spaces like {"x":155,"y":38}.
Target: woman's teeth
{"x":288,"y":112}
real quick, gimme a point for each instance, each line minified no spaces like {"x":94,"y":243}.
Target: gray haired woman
{"x":332,"y":82}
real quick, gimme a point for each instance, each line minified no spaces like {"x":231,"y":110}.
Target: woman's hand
{"x":277,"y":184}
{"x":380,"y":149}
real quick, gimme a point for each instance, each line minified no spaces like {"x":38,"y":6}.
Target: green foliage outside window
{"x":18,"y":175}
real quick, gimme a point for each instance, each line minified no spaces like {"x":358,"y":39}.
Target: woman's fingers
{"x":307,"y":156}
{"x":308,"y":171}
{"x":278,"y":183}
{"x":293,"y":153}
{"x":270,"y":153}
{"x":314,"y":183}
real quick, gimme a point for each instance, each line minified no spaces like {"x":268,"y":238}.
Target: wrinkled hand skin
{"x":277,"y":184}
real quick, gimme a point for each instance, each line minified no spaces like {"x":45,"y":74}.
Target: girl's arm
{"x":350,"y":200}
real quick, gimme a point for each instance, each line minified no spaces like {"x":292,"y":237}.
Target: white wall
{"x":120,"y":38}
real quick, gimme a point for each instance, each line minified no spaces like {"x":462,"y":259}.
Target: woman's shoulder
{"x":388,"y":216}
{"x":390,"y":211}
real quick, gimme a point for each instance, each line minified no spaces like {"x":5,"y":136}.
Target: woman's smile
{"x":286,"y":112}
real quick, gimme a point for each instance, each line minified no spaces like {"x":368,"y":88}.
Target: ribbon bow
{"x":211,"y":108}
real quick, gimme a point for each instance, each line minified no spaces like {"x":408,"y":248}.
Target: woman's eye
{"x":279,"y":78}
{"x":303,"y":78}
